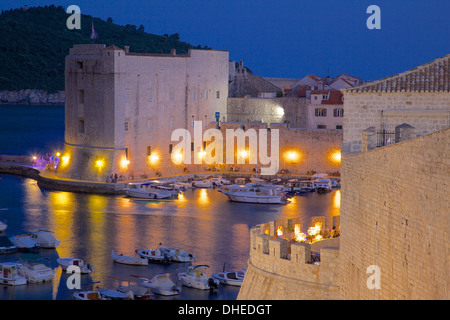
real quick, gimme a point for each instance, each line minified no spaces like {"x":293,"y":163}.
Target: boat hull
{"x":14,"y":282}
{"x":255,"y":199}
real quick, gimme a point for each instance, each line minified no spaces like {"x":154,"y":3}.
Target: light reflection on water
{"x":201,"y":221}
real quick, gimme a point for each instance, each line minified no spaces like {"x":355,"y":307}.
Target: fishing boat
{"x":36,"y":272}
{"x":146,"y":190}
{"x":135,"y":261}
{"x":25,"y":242}
{"x":206,"y":183}
{"x":256,"y":193}
{"x":197,"y":277}
{"x":176,"y":254}
{"x":67,"y":262}
{"x":162,"y":284}
{"x":45,"y":239}
{"x":11,"y":275}
{"x":233,"y":278}
{"x":3,"y":226}
{"x":101,"y":294}
{"x":153,"y":255}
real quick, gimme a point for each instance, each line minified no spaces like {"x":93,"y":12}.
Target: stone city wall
{"x":426,"y":111}
{"x":395,"y":214}
{"x":278,"y":270}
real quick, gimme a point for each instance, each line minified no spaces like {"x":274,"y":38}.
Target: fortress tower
{"x":121,"y":107}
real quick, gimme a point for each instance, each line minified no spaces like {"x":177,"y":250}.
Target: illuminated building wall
{"x":121,"y":107}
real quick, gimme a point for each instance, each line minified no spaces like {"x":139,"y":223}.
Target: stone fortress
{"x":395,"y":205}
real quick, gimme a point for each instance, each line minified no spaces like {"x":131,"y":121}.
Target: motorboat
{"x":3,"y":226}
{"x":11,"y":274}
{"x":25,"y":242}
{"x":36,"y":272}
{"x":233,"y":278}
{"x":45,"y":239}
{"x":6,"y":246}
{"x":206,"y":183}
{"x":67,"y":262}
{"x":176,"y":254}
{"x":135,"y":261}
{"x":323,"y":185}
{"x":136,"y":291}
{"x":219,"y":181}
{"x":197,"y":277}
{"x":162,"y":284}
{"x":239,"y":181}
{"x":308,"y":185}
{"x":101,"y":294}
{"x":294,"y":186}
{"x":153,"y":255}
{"x":256,"y":180}
{"x":146,"y":190}
{"x":256,"y":193}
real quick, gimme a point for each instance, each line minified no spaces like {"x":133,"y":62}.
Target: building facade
{"x":122,"y":107}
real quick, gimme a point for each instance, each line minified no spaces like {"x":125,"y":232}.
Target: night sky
{"x":292,"y":38}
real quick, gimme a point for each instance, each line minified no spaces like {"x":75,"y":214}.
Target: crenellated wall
{"x":279,"y":269}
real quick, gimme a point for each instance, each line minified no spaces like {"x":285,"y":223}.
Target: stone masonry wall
{"x":395,"y":211}
{"x":279,"y":271}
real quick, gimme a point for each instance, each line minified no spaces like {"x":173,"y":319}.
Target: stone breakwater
{"x":30,"y":96}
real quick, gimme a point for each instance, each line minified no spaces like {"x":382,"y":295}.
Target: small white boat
{"x":256,"y":193}
{"x":197,"y":277}
{"x":37,"y":272}
{"x":207,"y":183}
{"x":66,"y":262}
{"x":323,"y":185}
{"x":162,"y":284}
{"x":135,"y":261}
{"x":25,"y":242}
{"x":257,"y":180}
{"x":45,"y":239}
{"x":146,"y":190}
{"x":11,"y":275}
{"x":234,"y":278}
{"x":153,"y":255}
{"x":3,"y":226}
{"x":176,"y":254}
{"x":101,"y":294}
{"x":307,"y":185}
{"x":219,"y":181}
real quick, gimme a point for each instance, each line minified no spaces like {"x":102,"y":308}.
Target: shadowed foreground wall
{"x":395,"y":214}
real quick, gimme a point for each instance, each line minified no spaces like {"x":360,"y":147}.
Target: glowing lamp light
{"x":292,"y":156}
{"x":34,"y":157}
{"x":65,"y":160}
{"x":177,"y":157}
{"x":99,"y":164}
{"x":243,"y":153}
{"x":124,"y":163}
{"x":153,"y":158}
{"x":336,"y":157}
{"x":58,"y":154}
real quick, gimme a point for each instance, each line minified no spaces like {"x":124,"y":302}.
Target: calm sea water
{"x":201,"y":221}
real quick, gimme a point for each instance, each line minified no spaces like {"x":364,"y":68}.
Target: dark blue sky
{"x":292,"y":38}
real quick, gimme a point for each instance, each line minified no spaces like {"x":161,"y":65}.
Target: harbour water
{"x":201,"y":221}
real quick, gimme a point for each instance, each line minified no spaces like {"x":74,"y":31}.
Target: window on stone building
{"x":172,"y":95}
{"x":218,"y":94}
{"x":150,"y":96}
{"x":149,"y":150}
{"x":170,"y":148}
{"x":81,"y":126}
{"x":80,"y":65}
{"x":339,"y":126}
{"x":149,"y":125}
{"x":321,"y":126}
{"x":81,"y":96}
{"x":126,"y":126}
{"x":338,"y":112}
{"x":320,"y":112}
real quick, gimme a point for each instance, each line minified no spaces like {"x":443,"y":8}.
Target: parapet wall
{"x":282,"y":270}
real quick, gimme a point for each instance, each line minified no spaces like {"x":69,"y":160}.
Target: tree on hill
{"x":35,"y":42}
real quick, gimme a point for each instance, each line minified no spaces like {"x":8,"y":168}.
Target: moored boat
{"x":176,"y":254}
{"x":135,"y":261}
{"x":146,"y":190}
{"x":45,"y":239}
{"x":256,"y":193}
{"x":25,"y":242}
{"x":197,"y":277}
{"x":323,"y":185}
{"x":37,"y":272}
{"x":67,"y":262}
{"x":162,"y":284}
{"x":206,"y":183}
{"x":6,"y":246}
{"x":233,"y":278}
{"x":101,"y":294}
{"x":11,"y":275}
{"x":153,"y":255}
